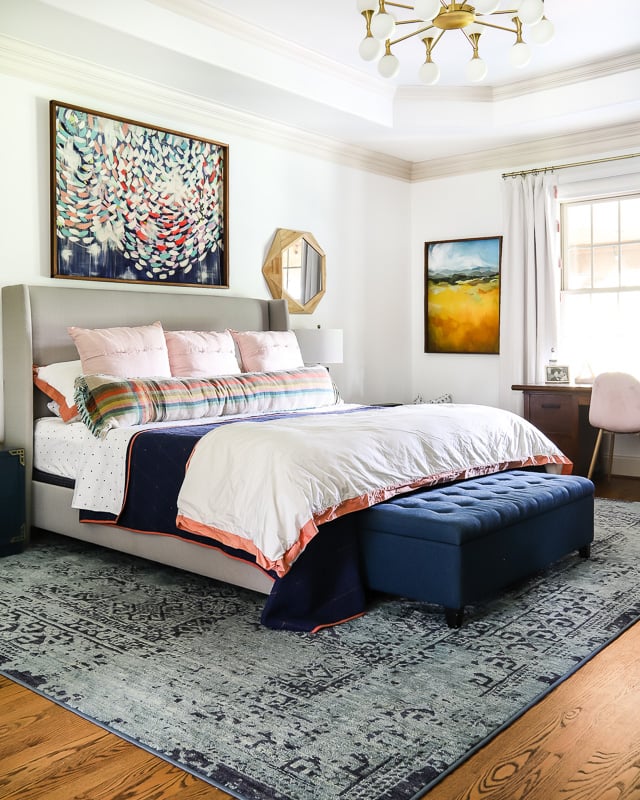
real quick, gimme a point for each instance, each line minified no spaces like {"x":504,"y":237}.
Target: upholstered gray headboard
{"x":34,"y":331}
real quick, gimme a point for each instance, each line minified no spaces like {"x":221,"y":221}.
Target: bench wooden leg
{"x":585,"y":552}
{"x":454,"y":616}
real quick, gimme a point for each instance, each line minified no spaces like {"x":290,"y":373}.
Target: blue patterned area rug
{"x":378,"y":708}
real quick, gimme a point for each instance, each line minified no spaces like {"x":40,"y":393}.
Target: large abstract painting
{"x":135,"y":203}
{"x":462,"y":295}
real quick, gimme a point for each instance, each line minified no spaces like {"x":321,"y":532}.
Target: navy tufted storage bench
{"x":462,"y":542}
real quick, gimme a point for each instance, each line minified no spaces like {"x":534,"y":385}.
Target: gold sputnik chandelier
{"x":431,"y":19}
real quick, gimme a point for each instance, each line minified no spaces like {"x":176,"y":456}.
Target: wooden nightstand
{"x":561,"y":412}
{"x":13,"y":526}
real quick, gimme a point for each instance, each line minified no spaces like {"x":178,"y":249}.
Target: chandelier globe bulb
{"x":520,"y":55}
{"x":370,"y":48}
{"x":531,"y":12}
{"x":429,"y":73}
{"x":476,"y":69}
{"x":430,"y":19}
{"x":388,"y":66}
{"x":486,"y":6}
{"x":426,"y":10}
{"x":382,"y":26}
{"x":542,"y":32}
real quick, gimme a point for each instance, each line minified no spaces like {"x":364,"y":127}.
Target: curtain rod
{"x":567,"y":166}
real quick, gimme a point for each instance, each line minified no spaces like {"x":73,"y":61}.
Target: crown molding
{"x":570,"y":146}
{"x":82,"y":79}
{"x":590,"y":71}
{"x":239,"y":29}
{"x":625,"y":62}
{"x":110,"y":89}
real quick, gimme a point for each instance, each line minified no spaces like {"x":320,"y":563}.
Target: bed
{"x":35,"y":320}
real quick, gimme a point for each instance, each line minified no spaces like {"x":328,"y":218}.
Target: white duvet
{"x":265,"y":486}
{"x":99,"y":466}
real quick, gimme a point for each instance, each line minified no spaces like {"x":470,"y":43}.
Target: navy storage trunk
{"x":13,"y":532}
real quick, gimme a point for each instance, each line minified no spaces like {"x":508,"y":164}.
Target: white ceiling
{"x":296,"y":62}
{"x":334,"y":29}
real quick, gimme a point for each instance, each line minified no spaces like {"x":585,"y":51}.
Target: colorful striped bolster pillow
{"x":106,"y":402}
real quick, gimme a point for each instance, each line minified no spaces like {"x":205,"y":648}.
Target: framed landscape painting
{"x":462,"y":295}
{"x":135,"y":203}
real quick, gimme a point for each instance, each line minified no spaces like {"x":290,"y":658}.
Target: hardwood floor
{"x":582,"y":742}
{"x":49,"y":753}
{"x":618,"y":487}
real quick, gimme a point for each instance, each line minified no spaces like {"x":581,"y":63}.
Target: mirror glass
{"x":295,"y":270}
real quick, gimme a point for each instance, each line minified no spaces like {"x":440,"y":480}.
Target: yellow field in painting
{"x":464,"y":318}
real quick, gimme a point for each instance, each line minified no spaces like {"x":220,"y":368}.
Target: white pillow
{"x":57,"y":382}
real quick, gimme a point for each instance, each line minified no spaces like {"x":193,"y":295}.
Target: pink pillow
{"x":268,"y":351}
{"x":139,"y":352}
{"x":201,"y":354}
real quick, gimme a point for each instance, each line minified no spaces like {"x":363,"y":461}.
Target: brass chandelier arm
{"x":455,"y":15}
{"x":470,"y":40}
{"x":497,"y":27}
{"x":412,"y":34}
{"x":435,"y":41}
{"x":474,"y":40}
{"x":409,"y":8}
{"x":409,"y":22}
{"x":445,"y":5}
{"x":432,"y":42}
{"x":417,"y":32}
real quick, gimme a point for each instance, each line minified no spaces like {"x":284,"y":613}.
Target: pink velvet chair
{"x":614,"y":408}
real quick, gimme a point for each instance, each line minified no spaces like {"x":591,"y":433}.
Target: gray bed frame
{"x":34,"y":332}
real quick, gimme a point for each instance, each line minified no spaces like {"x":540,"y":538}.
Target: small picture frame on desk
{"x":556,"y":374}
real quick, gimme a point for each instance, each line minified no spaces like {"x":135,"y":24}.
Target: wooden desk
{"x":561,"y":412}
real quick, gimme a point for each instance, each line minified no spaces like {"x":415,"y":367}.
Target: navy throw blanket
{"x":323,"y":587}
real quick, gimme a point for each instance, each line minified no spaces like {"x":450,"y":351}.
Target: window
{"x":600,"y":304}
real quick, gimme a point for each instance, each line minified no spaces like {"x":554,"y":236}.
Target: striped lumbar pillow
{"x":106,"y":402}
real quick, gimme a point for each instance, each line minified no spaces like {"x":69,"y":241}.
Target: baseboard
{"x":629,"y":466}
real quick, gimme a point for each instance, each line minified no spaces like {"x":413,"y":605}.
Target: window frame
{"x":590,"y":201}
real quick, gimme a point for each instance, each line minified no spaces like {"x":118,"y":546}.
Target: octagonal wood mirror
{"x":295,"y":269}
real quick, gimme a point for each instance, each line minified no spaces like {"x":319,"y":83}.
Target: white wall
{"x":361,"y":221}
{"x":460,"y":207}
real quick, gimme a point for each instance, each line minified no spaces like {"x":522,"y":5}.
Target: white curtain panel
{"x":530,"y":277}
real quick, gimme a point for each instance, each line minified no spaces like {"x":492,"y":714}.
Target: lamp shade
{"x":320,"y":345}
